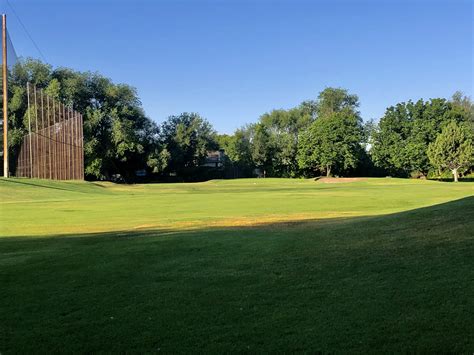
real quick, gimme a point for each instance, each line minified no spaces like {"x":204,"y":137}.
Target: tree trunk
{"x":328,"y":170}
{"x":455,"y":174}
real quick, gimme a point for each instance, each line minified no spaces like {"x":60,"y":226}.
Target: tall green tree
{"x":118,"y":137}
{"x":463,"y":109}
{"x":187,"y":138}
{"x":400,"y":142}
{"x":453,"y":149}
{"x":238,"y":150}
{"x":332,"y":100}
{"x":283,"y":128}
{"x":261,"y":149}
{"x":333,"y":141}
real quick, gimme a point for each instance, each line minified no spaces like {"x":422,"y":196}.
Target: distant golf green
{"x":251,"y":265}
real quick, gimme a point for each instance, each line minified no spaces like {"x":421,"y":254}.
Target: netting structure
{"x":54,"y":146}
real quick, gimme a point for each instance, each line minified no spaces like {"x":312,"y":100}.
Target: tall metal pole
{"x":29,"y":128}
{"x":55,"y":145}
{"x":37,"y":155}
{"x":49,"y":140}
{"x":5,"y":96}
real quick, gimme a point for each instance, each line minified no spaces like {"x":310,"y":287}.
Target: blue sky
{"x":231,"y":61}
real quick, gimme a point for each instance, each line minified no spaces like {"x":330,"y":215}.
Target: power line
{"x":26,"y":31}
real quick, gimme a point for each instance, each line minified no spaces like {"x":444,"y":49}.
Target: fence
{"x":53,"y":148}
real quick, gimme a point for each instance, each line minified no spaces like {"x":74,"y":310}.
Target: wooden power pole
{"x":5,"y":95}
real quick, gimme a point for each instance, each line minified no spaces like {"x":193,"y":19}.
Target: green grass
{"x":274,"y":265}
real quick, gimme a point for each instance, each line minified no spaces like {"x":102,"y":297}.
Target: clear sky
{"x":233,"y":60}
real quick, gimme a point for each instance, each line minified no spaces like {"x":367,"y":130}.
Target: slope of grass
{"x":376,"y":266}
{"x":35,"y":207}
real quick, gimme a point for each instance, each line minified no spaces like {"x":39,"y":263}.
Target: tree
{"x":400,"y":142}
{"x":260,"y":147}
{"x":283,"y":128}
{"x":118,"y":137}
{"x":463,"y":108}
{"x":238,"y":150}
{"x":453,"y":148}
{"x":187,"y":137}
{"x":333,"y":141}
{"x":332,"y":100}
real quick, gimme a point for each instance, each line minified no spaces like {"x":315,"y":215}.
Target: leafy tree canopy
{"x":118,"y":136}
{"x":333,"y":141}
{"x":187,"y":138}
{"x":453,"y":149}
{"x":400,"y":142}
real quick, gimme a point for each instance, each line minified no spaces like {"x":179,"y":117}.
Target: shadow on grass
{"x":28,"y":182}
{"x":458,"y":211}
{"x":385,"y":284}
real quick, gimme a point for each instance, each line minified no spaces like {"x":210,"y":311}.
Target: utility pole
{"x":5,"y":95}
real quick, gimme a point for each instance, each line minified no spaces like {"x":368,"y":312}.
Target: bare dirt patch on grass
{"x":257,"y":221}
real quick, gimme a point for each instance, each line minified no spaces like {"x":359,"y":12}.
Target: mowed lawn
{"x":252,"y":265}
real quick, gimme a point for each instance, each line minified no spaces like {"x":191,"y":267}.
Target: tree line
{"x":323,"y":136}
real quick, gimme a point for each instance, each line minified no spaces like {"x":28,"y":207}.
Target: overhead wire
{"x":26,"y":30}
